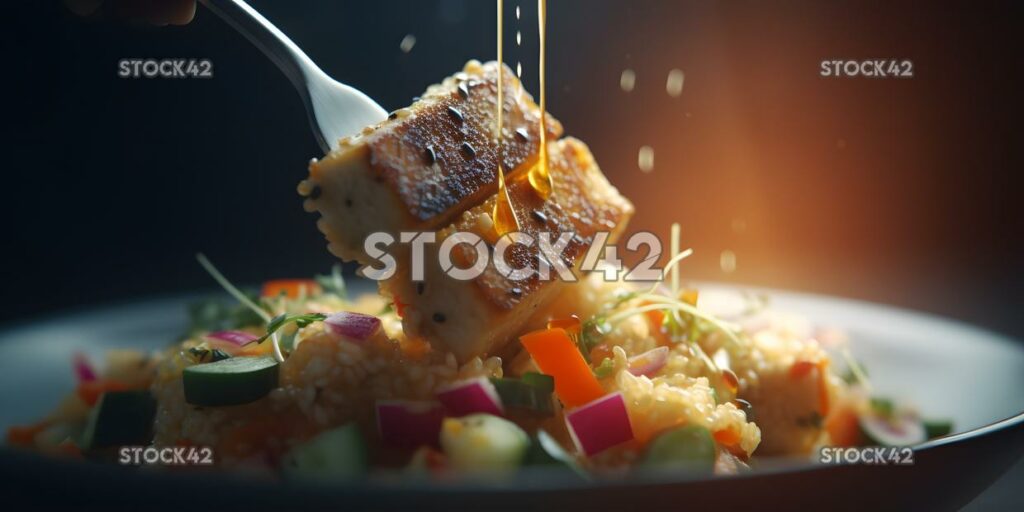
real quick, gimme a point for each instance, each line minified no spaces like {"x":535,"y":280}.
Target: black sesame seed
{"x":454,"y":112}
{"x":539,"y":215}
{"x":522,"y":134}
{"x":578,"y":239}
{"x":464,"y":90}
{"x":393,"y":115}
{"x":468,"y":150}
{"x":419,"y":288}
{"x":315,"y":193}
{"x":430,"y":155}
{"x":439,"y":318}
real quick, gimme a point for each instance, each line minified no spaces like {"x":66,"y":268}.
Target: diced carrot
{"x":25,"y":436}
{"x":291,"y":288}
{"x":68,"y":448}
{"x":800,"y":369}
{"x":823,"y":398}
{"x":572,"y":325}
{"x":727,"y":437}
{"x":657,"y":320}
{"x":90,"y":391}
{"x":400,"y":307}
{"x":556,"y":355}
{"x":689,"y":296}
{"x":843,"y":427}
{"x":414,"y":347}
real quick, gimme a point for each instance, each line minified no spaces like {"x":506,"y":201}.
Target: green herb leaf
{"x":604,"y":369}
{"x":883,"y":406}
{"x":283,"y":319}
{"x":333,"y":283}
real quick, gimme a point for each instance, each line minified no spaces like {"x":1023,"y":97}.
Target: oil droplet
{"x":727,"y":261}
{"x":504,"y":215}
{"x":519,"y":69}
{"x":540,"y":178}
{"x":674,"y":84}
{"x":519,"y":37}
{"x":645,"y":159}
{"x":407,"y":43}
{"x":627,"y":80}
{"x":518,"y":12}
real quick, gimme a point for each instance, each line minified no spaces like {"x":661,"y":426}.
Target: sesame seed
{"x":539,"y":215}
{"x":468,"y":150}
{"x":463,"y":90}
{"x":430,"y":155}
{"x":454,"y":112}
{"x":522,"y":134}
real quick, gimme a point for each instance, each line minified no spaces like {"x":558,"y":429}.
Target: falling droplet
{"x":674,"y":84}
{"x":519,"y":38}
{"x":627,"y":80}
{"x":519,"y":69}
{"x":407,"y":43}
{"x":517,"y":12}
{"x":727,"y":261}
{"x":645,"y":159}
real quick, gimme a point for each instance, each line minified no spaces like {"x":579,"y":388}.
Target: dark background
{"x":897,"y":191}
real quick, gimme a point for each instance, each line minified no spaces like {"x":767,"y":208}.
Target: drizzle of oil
{"x":539,"y":175}
{"x":504,"y":214}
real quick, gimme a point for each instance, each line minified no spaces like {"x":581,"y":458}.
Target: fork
{"x":335,"y":110}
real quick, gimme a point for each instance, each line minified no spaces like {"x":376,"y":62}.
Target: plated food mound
{"x":476,"y":378}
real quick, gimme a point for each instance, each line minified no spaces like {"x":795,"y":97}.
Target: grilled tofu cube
{"x":427,"y":163}
{"x":479,"y":316}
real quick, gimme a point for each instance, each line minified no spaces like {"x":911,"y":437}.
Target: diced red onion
{"x":409,"y":424}
{"x":470,"y":396}
{"x":84,"y":371}
{"x":237,"y":338}
{"x":357,"y":326}
{"x":649,"y":362}
{"x":600,"y":424}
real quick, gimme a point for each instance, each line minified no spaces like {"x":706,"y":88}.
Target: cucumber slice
{"x":234,"y":381}
{"x":690,"y":448}
{"x":517,"y":394}
{"x":896,"y":430}
{"x":937,"y":428}
{"x":120,"y":418}
{"x":541,"y":381}
{"x":336,"y":454}
{"x":483,"y":442}
{"x":544,"y":450}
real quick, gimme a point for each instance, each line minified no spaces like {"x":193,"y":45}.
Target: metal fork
{"x":335,"y":109}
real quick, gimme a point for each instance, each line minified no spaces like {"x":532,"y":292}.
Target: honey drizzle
{"x":540,"y":177}
{"x":504,"y":215}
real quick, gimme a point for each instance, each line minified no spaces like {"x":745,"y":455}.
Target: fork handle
{"x":292,"y":61}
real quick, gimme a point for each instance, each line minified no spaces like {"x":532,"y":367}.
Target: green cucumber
{"x":937,"y":428}
{"x":544,"y":450}
{"x":690,"y":448}
{"x":336,"y":454}
{"x":483,"y":442}
{"x":518,"y":394}
{"x":543,"y":382}
{"x":893,"y":430}
{"x":234,"y":381}
{"x":120,"y":418}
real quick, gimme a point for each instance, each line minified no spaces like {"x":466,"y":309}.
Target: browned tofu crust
{"x":439,"y":157}
{"x":582,"y":203}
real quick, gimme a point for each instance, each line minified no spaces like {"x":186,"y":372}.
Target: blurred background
{"x":900,"y":191}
